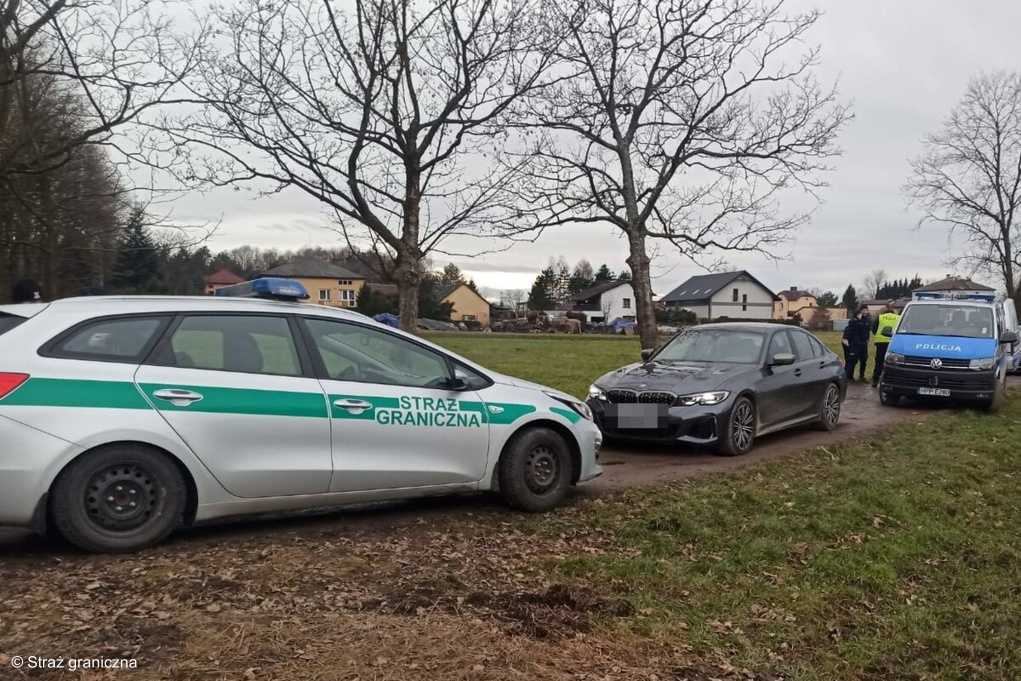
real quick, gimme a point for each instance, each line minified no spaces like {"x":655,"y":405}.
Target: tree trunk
{"x":641,"y":282}
{"x":408,"y":281}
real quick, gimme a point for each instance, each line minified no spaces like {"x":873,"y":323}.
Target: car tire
{"x":119,"y":499}
{"x":829,"y":408}
{"x":535,"y":470}
{"x":888,"y":399}
{"x":739,"y":435}
{"x":999,"y":397}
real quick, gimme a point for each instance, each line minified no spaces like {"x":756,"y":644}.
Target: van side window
{"x":123,"y":339}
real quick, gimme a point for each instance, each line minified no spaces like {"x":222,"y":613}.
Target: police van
{"x":951,"y":346}
{"x":123,"y":418}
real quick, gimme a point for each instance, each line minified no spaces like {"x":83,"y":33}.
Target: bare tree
{"x":118,"y":58}
{"x":969,"y":176}
{"x":385,"y":114}
{"x":683,"y":120}
{"x":874,"y":281}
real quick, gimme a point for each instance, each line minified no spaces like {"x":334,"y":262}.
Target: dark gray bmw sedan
{"x":722,"y":385}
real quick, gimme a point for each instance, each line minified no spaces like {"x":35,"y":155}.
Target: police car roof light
{"x":272,"y":288}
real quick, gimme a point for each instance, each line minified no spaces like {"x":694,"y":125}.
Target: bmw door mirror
{"x":782,"y":359}
{"x":1008,"y":337}
{"x":647,"y":353}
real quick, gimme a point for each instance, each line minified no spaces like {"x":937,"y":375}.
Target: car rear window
{"x":8,"y":322}
{"x":122,"y":339}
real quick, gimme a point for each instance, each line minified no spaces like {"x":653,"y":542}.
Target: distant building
{"x":220,"y":278}
{"x":605,"y":302}
{"x":735,"y":295}
{"x":956,"y":285}
{"x":469,"y":304}
{"x":794,"y":302}
{"x":326,"y":283}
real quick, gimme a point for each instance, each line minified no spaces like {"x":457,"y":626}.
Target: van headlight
{"x":982,"y":364}
{"x":596,"y":393}
{"x":581,"y":408}
{"x":704,"y":399}
{"x":895,"y":358}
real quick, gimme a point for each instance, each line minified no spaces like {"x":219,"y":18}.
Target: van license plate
{"x":934,"y":392}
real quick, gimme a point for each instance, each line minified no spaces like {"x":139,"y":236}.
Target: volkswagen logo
{"x":937,"y":363}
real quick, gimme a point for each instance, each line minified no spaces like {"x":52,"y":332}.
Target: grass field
{"x":569,"y":363}
{"x":897,"y":558}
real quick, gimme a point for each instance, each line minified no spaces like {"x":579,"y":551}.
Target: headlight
{"x":703,"y":398}
{"x":580,"y":407}
{"x":596,"y":393}
{"x":982,"y":364}
{"x":895,"y":358}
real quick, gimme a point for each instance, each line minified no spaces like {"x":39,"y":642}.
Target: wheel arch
{"x":560,"y":429}
{"x":191,"y":503}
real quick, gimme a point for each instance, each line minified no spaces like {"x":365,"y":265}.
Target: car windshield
{"x":966,"y":321}
{"x":714,"y":345}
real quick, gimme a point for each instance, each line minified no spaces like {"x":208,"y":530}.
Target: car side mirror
{"x":1009,"y":337}
{"x":782,"y":359}
{"x":456,"y":384}
{"x":647,"y":353}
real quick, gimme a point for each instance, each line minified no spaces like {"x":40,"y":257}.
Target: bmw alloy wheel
{"x":831,"y":406}
{"x":742,"y":425}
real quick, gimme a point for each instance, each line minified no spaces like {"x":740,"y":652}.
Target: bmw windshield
{"x":714,"y":345}
{"x":962,"y":321}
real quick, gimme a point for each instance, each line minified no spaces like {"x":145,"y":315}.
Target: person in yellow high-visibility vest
{"x":887,"y":321}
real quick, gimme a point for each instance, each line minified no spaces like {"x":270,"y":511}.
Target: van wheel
{"x":829,"y":408}
{"x":999,"y":397}
{"x":535,"y":471}
{"x":739,"y":435}
{"x":888,"y":399}
{"x":118,"y":499}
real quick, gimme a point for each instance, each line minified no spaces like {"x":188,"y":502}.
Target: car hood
{"x":528,"y":385}
{"x":676,"y":378}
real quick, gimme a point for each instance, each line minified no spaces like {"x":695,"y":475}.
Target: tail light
{"x":9,"y":381}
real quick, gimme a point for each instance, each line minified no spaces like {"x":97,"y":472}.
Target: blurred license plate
{"x":637,"y":416}
{"x":934,"y":392}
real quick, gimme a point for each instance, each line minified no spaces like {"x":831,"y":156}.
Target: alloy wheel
{"x":831,"y":406}
{"x":742,"y":425}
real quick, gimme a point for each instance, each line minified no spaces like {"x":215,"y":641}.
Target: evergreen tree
{"x":371,"y":302}
{"x":827,"y":299}
{"x":850,"y":300}
{"x":137,"y":268}
{"x":541,"y":297}
{"x":452,"y":275}
{"x":625,"y":275}
{"x":604,"y":273}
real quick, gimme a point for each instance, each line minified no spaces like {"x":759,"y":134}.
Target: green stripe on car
{"x":63,"y":392}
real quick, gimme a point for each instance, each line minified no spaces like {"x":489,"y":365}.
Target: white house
{"x":606,"y":301}
{"x":735,"y":295}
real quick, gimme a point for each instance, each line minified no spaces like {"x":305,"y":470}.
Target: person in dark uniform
{"x":856,"y":346}
{"x":26,"y":291}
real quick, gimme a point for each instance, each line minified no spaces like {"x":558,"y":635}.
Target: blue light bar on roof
{"x":272,"y":288}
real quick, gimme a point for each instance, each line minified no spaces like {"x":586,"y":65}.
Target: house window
{"x":469,"y":318}
{"x":348,"y":297}
{"x":744,"y":302}
{"x":734,"y":293}
{"x":625,"y":303}
{"x":344,"y":282}
{"x":324,"y":294}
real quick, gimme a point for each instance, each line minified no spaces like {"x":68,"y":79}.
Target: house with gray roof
{"x":735,"y":295}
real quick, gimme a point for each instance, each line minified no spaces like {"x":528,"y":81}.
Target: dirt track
{"x":630,"y":467}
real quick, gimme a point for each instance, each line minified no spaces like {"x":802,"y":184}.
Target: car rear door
{"x":240,"y":391}
{"x":809,"y":372}
{"x":396,"y":422}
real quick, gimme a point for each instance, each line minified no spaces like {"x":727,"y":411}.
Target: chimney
{"x":794,"y":288}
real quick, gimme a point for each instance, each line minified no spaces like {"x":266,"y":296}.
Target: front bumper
{"x":963,"y":384}
{"x":699,"y":425}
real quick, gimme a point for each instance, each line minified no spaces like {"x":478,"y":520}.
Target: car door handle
{"x":797,"y":372}
{"x":177,"y":397}
{"x":352,"y":405}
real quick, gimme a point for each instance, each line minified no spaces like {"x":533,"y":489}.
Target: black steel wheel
{"x":119,"y":498}
{"x":740,"y":430}
{"x":535,"y":470}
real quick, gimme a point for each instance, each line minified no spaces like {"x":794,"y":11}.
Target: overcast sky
{"x":903,"y":64}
